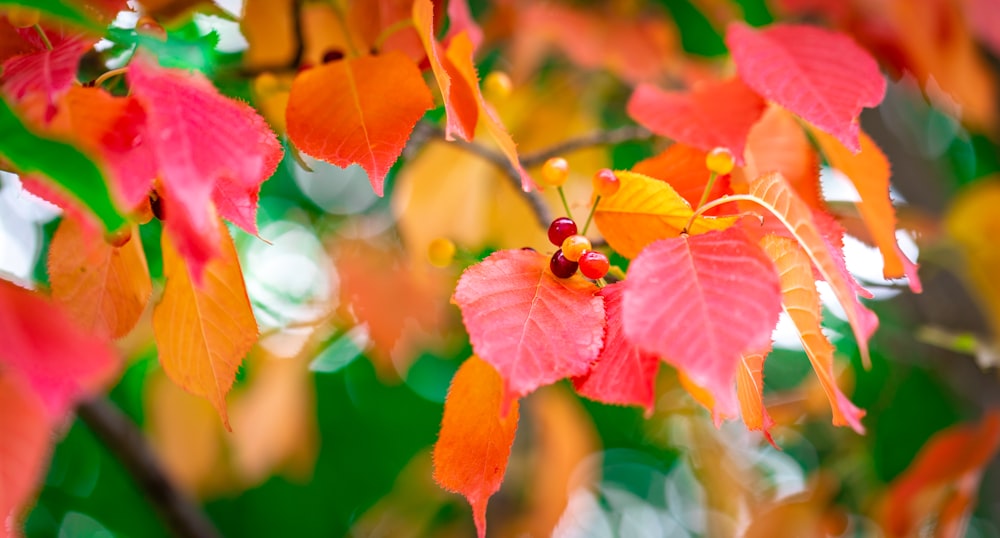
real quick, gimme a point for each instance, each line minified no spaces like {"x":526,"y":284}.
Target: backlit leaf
{"x":683,"y":167}
{"x":46,"y":73}
{"x":460,"y":20}
{"x":471,"y":454}
{"x":700,"y":302}
{"x":61,"y":362}
{"x":533,"y":327}
{"x":712,"y":114}
{"x":801,"y":301}
{"x":821,"y":75}
{"x":358,"y":110}
{"x":777,"y":196}
{"x":622,"y":374}
{"x":204,"y":331}
{"x":777,"y":143}
{"x":645,"y":210}
{"x":104,"y":288}
{"x":750,"y":391}
{"x":939,"y":488}
{"x":869,"y":172}
{"x":460,"y":103}
{"x":24,"y":447}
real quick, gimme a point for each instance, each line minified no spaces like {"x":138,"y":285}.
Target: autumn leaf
{"x":460,"y":103}
{"x":104,"y":287}
{"x":622,"y":374}
{"x":645,"y":210}
{"x":269,"y":28}
{"x":533,"y":327}
{"x":774,"y":194}
{"x":801,"y":301}
{"x":471,"y":454}
{"x":47,"y":73}
{"x":59,"y":361}
{"x":777,"y":144}
{"x":358,"y":110}
{"x":204,"y":331}
{"x":24,"y":447}
{"x":207,"y":147}
{"x":700,"y":302}
{"x":869,"y":171}
{"x":973,"y":223}
{"x":821,"y":75}
{"x":712,"y":114}
{"x":750,"y":392}
{"x":683,"y":167}
{"x":940,"y":486}
{"x":460,"y":20}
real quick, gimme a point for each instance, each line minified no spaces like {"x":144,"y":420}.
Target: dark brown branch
{"x":182,"y":517}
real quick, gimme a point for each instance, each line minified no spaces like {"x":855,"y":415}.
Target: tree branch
{"x":597,"y":138}
{"x":120,"y":435}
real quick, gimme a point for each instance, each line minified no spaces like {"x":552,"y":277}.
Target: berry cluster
{"x":574,"y":252}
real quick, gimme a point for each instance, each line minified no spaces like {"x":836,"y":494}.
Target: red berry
{"x":594,"y":264}
{"x":333,"y":55}
{"x":561,"y":267}
{"x":560,"y":229}
{"x":605,"y":183}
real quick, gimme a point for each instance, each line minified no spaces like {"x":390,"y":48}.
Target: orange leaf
{"x":24,"y":446}
{"x":941,"y":482}
{"x":645,"y":210}
{"x":269,"y":28}
{"x":358,"y":110}
{"x":800,"y":300}
{"x":104,"y":288}
{"x":777,"y":143}
{"x":204,"y":331}
{"x":869,"y":171}
{"x":750,"y":390}
{"x":460,"y":102}
{"x":775,"y":194}
{"x":472,"y":451}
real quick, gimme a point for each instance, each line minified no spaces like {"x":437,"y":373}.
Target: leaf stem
{"x":390,"y":30}
{"x":717,"y":202}
{"x":45,"y":38}
{"x":590,"y":217}
{"x":708,"y":189}
{"x":113,"y":73}
{"x":562,"y":196}
{"x":338,"y":12}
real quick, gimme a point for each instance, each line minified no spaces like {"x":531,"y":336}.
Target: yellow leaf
{"x":645,"y":210}
{"x":203,"y":332}
{"x":269,"y":28}
{"x":104,"y":288}
{"x":973,"y":222}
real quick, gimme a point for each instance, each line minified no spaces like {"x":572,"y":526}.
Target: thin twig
{"x":597,"y":138}
{"x":120,"y":435}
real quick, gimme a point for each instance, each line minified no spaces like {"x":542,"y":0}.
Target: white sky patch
{"x":21,"y":217}
{"x":230,"y":37}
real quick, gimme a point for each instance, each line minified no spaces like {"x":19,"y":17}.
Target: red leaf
{"x":472,"y":451}
{"x":533,"y":327}
{"x":358,"y":110}
{"x":46,"y":72}
{"x":712,"y":114}
{"x":460,"y":104}
{"x":942,"y":481}
{"x":822,"y":76}
{"x":683,"y":167}
{"x":24,"y":447}
{"x":777,"y":143}
{"x":201,"y":139}
{"x":700,"y":302}
{"x":622,"y":374}
{"x":58,"y":360}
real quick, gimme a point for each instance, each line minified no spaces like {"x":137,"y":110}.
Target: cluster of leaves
{"x":714,"y":258}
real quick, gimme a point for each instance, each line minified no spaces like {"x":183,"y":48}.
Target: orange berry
{"x":720,"y":160}
{"x":555,"y":171}
{"x":23,"y":17}
{"x":605,"y":183}
{"x":498,"y":85}
{"x":441,"y":252}
{"x":574,"y":246}
{"x":118,"y":238}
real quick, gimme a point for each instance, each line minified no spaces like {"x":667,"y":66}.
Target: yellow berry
{"x":555,"y":172}
{"x":720,"y":161}
{"x":574,"y":246}
{"x":22,"y":17}
{"x":498,"y":85}
{"x":441,"y":252}
{"x":605,"y":183}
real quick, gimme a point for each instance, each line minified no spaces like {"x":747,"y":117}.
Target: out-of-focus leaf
{"x":472,"y":450}
{"x":204,"y":331}
{"x":532,"y":326}
{"x":103,"y":287}
{"x":805,"y":514}
{"x":645,"y":210}
{"x":72,"y":171}
{"x":269,"y":27}
{"x":44,"y":73}
{"x":178,"y":50}
{"x":24,"y":447}
{"x":973,"y":222}
{"x":336,"y":355}
{"x":358,"y":111}
{"x":62,"y":10}
{"x":700,"y":302}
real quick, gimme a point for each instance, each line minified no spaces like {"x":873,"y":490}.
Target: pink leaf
{"x":622,"y":374}
{"x":201,"y":139}
{"x":712,"y":114}
{"x":700,"y":302}
{"x":24,"y":447}
{"x":58,"y":360}
{"x":821,"y":75}
{"x":460,"y":19}
{"x":46,"y":72}
{"x":533,"y":327}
